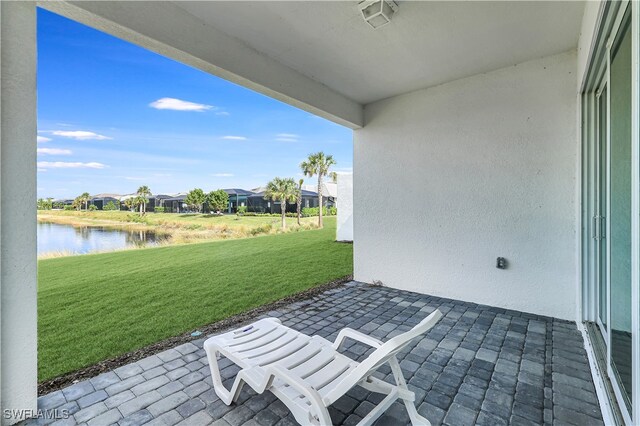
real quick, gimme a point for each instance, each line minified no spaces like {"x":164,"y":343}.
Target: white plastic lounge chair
{"x":308,"y":374}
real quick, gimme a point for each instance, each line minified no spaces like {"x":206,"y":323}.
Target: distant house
{"x":158,"y":200}
{"x":101,"y":200}
{"x":253,"y":200}
{"x":63,"y":202}
{"x":329,"y":192}
{"x":175,"y":203}
{"x":256,"y":202}
{"x":237,"y":197}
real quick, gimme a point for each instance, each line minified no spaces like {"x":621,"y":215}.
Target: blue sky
{"x":113,"y":116}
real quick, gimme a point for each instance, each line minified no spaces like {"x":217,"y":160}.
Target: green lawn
{"x":94,"y":307}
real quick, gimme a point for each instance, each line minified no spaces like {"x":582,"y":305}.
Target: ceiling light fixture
{"x":378,"y":13}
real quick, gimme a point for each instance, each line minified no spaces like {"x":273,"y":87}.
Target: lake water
{"x":54,"y":237}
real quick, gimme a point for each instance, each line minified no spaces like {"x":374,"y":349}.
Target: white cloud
{"x":223,"y":113}
{"x":134,"y":178}
{"x":42,"y":170}
{"x":179,"y":105}
{"x":69,"y":165}
{"x":287,"y":137}
{"x":234,"y":138}
{"x":43,"y":139}
{"x":223,"y":174}
{"x":80,"y":135}
{"x":54,"y":151}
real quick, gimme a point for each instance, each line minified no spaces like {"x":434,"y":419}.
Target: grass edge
{"x":59,"y":382}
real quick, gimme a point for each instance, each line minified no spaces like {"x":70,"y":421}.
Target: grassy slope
{"x":98,"y":306}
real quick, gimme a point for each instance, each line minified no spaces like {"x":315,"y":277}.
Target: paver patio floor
{"x":478,"y":365}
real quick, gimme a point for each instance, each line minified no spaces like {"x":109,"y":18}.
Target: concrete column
{"x":18,"y":262}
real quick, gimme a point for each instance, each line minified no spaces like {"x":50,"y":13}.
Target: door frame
{"x":611,"y":18}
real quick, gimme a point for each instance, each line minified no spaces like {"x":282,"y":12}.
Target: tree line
{"x":283,"y":190}
{"x":217,"y":201}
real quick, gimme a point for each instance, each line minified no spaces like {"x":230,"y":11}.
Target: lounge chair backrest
{"x":382,"y":354}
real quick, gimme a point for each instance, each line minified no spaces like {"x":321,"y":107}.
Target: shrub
{"x":261,"y":214}
{"x":137,"y":219}
{"x":158,"y":209}
{"x":264,"y":229}
{"x":309,"y":211}
{"x":93,"y":207}
{"x":69,"y":207}
{"x":242,"y":210}
{"x":314,"y":211}
{"x":110,"y":206}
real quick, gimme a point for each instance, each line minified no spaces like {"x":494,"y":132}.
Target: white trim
{"x":635,"y":208}
{"x":578,"y":212}
{"x":607,"y":249}
{"x":598,"y":378}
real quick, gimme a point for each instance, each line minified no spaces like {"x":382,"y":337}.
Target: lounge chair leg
{"x":416,"y":419}
{"x":225,"y":395}
{"x":323,"y":418}
{"x":379,"y":409}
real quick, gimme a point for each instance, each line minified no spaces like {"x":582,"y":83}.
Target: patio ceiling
{"x":426,"y":44}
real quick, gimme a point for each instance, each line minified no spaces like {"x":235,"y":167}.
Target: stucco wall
{"x":18,"y":285}
{"x":344,"y":231}
{"x":590,"y":21}
{"x":471,"y":170}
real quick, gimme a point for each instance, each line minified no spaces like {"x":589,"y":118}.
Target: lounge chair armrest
{"x":355,"y":335}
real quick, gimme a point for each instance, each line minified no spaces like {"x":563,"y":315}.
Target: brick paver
{"x":478,"y":365}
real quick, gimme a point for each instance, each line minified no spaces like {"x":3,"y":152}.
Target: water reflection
{"x":56,"y":238}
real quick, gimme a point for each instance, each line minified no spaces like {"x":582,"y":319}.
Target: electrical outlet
{"x":501,"y":263}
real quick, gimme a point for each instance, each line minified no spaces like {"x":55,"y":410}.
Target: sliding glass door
{"x":600,"y":209}
{"x":609,"y":201}
{"x":619,"y":208}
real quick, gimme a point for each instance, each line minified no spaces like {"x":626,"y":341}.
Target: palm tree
{"x":318,"y":164}
{"x":84,"y":198}
{"x":299,"y":200}
{"x":77,"y":203}
{"x":143,"y":193}
{"x":131,"y":203}
{"x":283,"y":190}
